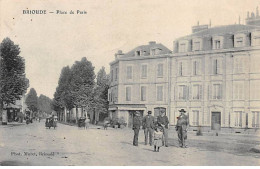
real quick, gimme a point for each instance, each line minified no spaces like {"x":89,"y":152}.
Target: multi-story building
{"x":212,"y":73}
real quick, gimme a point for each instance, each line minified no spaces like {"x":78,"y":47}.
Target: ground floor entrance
{"x":215,"y":120}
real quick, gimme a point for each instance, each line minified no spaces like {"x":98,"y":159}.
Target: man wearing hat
{"x":182,"y":127}
{"x":136,"y":127}
{"x":163,"y":121}
{"x":148,"y":126}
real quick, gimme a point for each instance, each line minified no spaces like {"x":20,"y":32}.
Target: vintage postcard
{"x":129,"y":83}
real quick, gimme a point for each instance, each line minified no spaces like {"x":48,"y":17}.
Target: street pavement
{"x":33,"y":144}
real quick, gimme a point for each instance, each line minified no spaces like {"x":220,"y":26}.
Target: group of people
{"x":157,"y":131}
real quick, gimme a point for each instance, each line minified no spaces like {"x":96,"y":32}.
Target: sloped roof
{"x":147,"y":48}
{"x":220,"y":30}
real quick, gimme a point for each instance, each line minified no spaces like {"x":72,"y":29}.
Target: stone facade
{"x":213,"y":74}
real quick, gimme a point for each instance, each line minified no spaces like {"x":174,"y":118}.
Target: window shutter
{"x":200,"y":92}
{"x":232,"y":119}
{"x":209,"y":92}
{"x":187,"y":93}
{"x":219,"y":66}
{"x":220,"y":91}
{"x":190,"y":95}
{"x":250,"y":117}
{"x":184,"y":92}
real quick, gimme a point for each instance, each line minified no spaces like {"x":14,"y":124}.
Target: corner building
{"x":213,"y":74}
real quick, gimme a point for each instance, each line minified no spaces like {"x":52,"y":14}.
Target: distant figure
{"x":158,"y":138}
{"x":106,"y":124}
{"x":163,"y":121}
{"x":136,"y":127}
{"x":148,"y":126}
{"x":87,"y":122}
{"x":182,"y":128}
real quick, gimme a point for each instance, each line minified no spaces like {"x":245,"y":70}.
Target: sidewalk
{"x":12,"y":124}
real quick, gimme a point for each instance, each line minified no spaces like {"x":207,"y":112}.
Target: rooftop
{"x":221,"y":30}
{"x":146,"y":49}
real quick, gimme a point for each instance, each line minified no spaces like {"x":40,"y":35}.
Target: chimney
{"x":257,"y":12}
{"x":247,"y":14}
{"x":198,"y":28}
{"x":152,"y":43}
{"x":119,"y":54}
{"x":252,"y":15}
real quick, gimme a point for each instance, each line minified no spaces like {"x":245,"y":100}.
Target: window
{"x":159,"y":93}
{"x":138,"y":53}
{"x":196,"y":67}
{"x":255,"y":90}
{"x":195,"y":119}
{"x":238,"y":118}
{"x":254,"y":64}
{"x":256,"y":41}
{"x":196,"y":92}
{"x":196,"y":46}
{"x":152,"y":52}
{"x":116,"y":74}
{"x":183,"y":92}
{"x":180,"y":69}
{"x":144,"y":71}
{"x":128,"y":94}
{"x":217,"y":44}
{"x":238,"y":65}
{"x":256,"y":119}
{"x":129,"y":72}
{"x":217,"y":92}
{"x":216,"y":66}
{"x":160,"y":70}
{"x":182,"y":47}
{"x":238,"y":90}
{"x":143,"y":93}
{"x":239,"y":42}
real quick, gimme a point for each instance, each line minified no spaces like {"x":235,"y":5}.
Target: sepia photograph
{"x":129,"y":83}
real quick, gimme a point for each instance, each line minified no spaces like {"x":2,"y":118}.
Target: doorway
{"x":215,"y":120}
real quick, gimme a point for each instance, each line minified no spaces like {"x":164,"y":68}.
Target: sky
{"x":52,"y":41}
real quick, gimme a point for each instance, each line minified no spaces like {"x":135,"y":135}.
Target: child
{"x":158,"y":138}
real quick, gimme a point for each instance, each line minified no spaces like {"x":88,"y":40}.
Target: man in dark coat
{"x":163,"y":121}
{"x":136,"y":127}
{"x":182,"y":128}
{"x":148,"y":126}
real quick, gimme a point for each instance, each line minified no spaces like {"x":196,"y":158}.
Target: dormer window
{"x":152,"y":52}
{"x":138,"y":53}
{"x":255,"y":38}
{"x":155,"y":51}
{"x":182,"y":47}
{"x":217,"y":42}
{"x":239,"y":40}
{"x":196,"y":44}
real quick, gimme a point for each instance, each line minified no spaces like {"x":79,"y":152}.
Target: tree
{"x":32,"y":100}
{"x":101,"y":93}
{"x":13,"y":81}
{"x":62,"y":97}
{"x":44,"y":104}
{"x":82,"y":84}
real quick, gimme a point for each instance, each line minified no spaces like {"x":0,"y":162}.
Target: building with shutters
{"x":213,"y":74}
